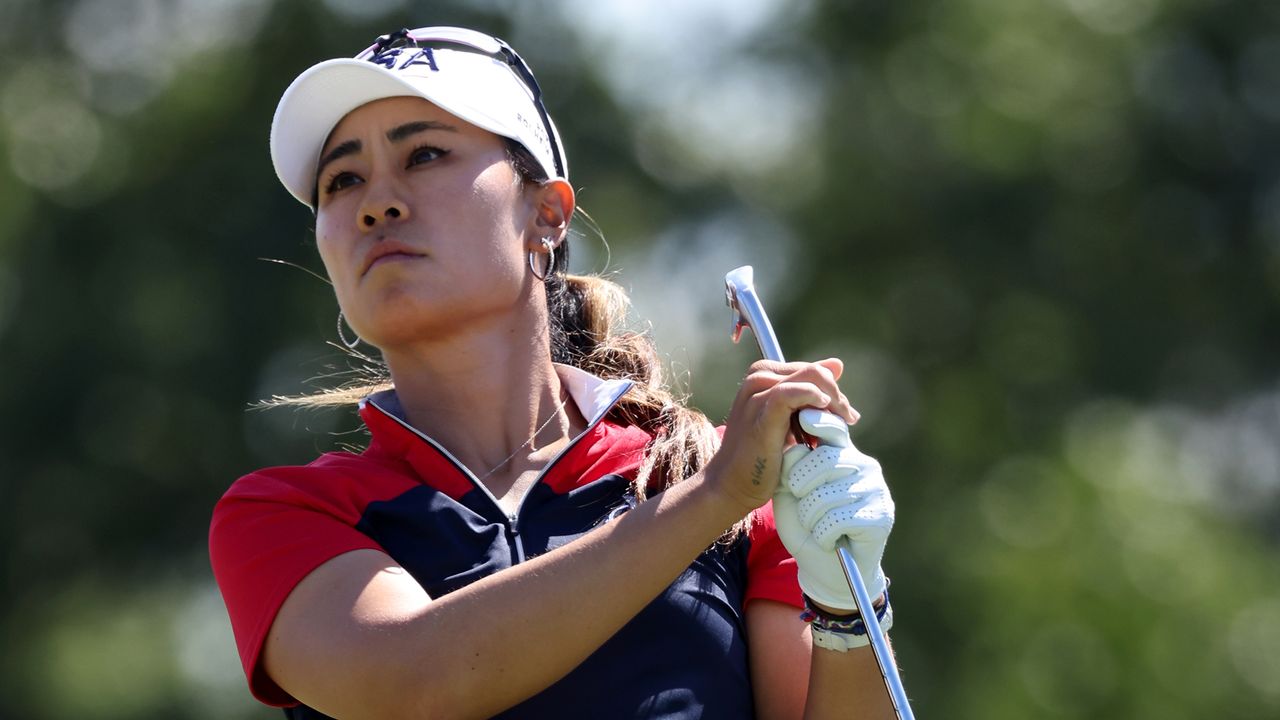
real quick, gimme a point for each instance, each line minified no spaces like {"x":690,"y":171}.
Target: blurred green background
{"x":1043,"y":234}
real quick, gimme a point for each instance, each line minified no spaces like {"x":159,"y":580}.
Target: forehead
{"x":381,"y":115}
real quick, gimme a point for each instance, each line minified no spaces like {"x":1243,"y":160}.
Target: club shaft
{"x":879,"y":646}
{"x":742,"y":296}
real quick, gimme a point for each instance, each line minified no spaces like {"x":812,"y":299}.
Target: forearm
{"x":846,"y":685}
{"x":531,"y":624}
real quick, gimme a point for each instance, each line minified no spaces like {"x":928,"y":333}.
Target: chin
{"x":401,"y":314}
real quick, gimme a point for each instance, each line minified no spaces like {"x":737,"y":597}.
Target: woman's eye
{"x":425,"y":154}
{"x":340,"y":181}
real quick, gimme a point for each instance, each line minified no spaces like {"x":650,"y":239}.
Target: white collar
{"x":593,"y":396}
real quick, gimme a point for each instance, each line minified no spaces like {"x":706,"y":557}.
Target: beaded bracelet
{"x":843,"y":633}
{"x":842,"y":624}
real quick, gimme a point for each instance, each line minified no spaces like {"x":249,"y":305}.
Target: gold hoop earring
{"x":551,"y":259}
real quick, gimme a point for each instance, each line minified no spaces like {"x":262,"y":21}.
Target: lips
{"x":388,"y":249}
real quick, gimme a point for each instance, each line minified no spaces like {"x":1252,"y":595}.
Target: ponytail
{"x":588,"y":317}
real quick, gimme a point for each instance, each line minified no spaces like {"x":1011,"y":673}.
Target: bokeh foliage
{"x":1044,"y":235}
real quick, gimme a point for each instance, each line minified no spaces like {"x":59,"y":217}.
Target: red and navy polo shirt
{"x":683,"y":656}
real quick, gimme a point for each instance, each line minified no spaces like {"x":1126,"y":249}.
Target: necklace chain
{"x":554,"y":414}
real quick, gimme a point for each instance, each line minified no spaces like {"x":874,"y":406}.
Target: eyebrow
{"x":349,"y":147}
{"x":396,"y":134}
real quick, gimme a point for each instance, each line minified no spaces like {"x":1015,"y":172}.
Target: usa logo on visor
{"x":391,"y":60}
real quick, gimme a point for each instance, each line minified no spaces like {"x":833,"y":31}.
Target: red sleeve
{"x":771,"y":571}
{"x":268,"y":532}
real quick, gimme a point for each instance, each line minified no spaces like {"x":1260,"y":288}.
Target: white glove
{"x":826,"y":493}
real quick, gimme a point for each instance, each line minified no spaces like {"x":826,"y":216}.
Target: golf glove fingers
{"x":828,"y":493}
{"x":805,"y":472}
{"x":826,"y":426}
{"x":858,"y":500}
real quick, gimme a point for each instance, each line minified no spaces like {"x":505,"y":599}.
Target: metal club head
{"x":740,"y":278}
{"x":737,"y":319}
{"x":748,"y":312}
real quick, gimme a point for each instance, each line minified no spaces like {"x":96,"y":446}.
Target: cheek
{"x":505,"y":212}
{"x":333,"y":261}
{"x":333,"y":233}
{"x":325,"y":246}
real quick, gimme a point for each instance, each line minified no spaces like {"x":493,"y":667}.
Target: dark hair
{"x":588,"y":328}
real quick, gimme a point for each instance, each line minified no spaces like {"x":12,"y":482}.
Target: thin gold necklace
{"x":554,"y":414}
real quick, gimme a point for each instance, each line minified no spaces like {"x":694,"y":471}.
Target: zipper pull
{"x":517,"y":546}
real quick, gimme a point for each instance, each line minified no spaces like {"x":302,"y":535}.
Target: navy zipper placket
{"x":512,"y":523}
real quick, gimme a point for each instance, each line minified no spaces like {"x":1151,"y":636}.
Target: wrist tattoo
{"x":758,"y":472}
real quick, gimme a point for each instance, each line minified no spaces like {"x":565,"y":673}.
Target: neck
{"x":489,"y":396}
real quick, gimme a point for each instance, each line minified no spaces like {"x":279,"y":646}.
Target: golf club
{"x":748,"y":311}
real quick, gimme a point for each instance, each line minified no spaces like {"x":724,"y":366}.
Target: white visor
{"x":480,"y":89}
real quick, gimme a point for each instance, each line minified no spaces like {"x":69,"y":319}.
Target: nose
{"x":381,"y":211}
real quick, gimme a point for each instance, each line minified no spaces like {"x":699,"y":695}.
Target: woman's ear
{"x":554,"y":204}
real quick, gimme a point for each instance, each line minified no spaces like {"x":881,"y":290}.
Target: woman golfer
{"x":537,"y":529}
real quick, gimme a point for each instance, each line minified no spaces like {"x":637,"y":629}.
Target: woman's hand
{"x":748,"y":465}
{"x":832,"y":492}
